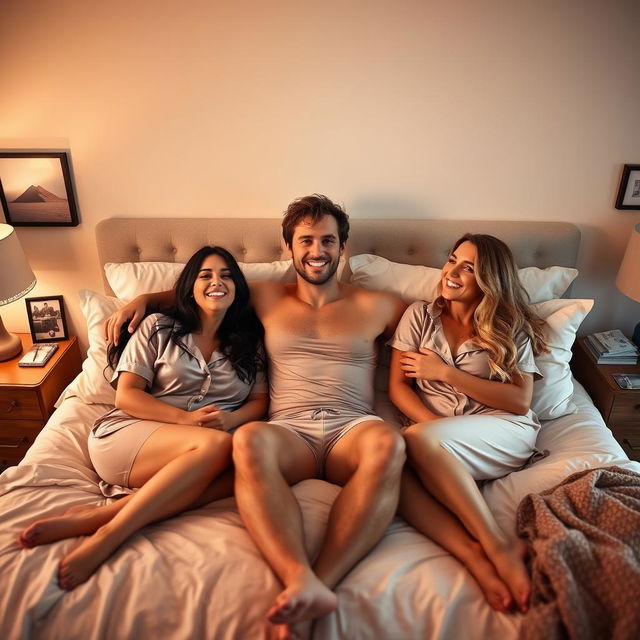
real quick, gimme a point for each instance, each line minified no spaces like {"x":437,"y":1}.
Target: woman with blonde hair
{"x":462,"y":372}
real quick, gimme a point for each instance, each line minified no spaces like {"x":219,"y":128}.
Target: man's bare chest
{"x":326,"y":323}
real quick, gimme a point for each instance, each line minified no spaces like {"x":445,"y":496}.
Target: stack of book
{"x":612,"y":347}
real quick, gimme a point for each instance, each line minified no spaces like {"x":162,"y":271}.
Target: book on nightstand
{"x":627,"y":380}
{"x":611,"y":347}
{"x":38,"y":355}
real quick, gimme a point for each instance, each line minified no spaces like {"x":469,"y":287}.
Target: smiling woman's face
{"x":458,"y":275}
{"x":214,"y":289}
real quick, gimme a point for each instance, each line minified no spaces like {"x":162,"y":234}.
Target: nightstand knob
{"x":12,"y":405}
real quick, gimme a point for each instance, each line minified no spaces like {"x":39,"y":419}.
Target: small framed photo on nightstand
{"x":629,"y":191}
{"x":47,"y":319}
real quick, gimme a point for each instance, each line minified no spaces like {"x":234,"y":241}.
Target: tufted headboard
{"x":419,"y":241}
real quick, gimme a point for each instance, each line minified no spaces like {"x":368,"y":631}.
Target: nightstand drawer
{"x":625,"y":412}
{"x":631,"y":445}
{"x":19,"y":404}
{"x":16,"y":438}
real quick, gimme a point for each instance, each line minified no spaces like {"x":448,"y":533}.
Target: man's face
{"x":316,"y":250}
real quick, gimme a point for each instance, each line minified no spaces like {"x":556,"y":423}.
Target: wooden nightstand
{"x":620,"y":408}
{"x":27,"y":396}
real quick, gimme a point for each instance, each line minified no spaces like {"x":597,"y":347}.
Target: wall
{"x":462,"y":109}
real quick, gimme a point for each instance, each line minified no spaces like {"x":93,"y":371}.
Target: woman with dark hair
{"x":462,"y":372}
{"x":184,"y":381}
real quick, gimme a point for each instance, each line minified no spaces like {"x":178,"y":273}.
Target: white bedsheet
{"x":198,"y":575}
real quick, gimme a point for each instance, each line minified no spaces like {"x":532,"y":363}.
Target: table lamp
{"x":628,"y":280}
{"x":16,"y":280}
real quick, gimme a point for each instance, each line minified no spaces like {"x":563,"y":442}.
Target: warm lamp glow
{"x":628,"y":280}
{"x":16,"y":280}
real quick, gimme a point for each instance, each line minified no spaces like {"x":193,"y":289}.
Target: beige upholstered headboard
{"x":419,"y":241}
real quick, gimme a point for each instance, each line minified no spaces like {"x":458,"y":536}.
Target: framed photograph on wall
{"x":629,"y":192}
{"x":46,"y":319}
{"x":36,"y":189}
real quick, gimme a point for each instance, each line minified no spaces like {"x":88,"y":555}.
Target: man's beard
{"x":331,"y":269}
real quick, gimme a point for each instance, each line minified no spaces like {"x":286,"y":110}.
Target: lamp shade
{"x":628,"y":280}
{"x":16,"y":277}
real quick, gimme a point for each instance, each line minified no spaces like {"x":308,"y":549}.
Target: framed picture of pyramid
{"x":36,"y":189}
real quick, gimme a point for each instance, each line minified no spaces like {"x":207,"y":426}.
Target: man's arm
{"x":396,"y":308}
{"x":134,"y":311}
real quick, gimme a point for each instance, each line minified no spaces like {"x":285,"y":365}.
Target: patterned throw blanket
{"x":584,"y":536}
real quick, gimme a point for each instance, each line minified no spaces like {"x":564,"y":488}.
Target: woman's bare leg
{"x":83,"y":520}
{"x":192,"y":458}
{"x":450,"y":483}
{"x":436,"y":522}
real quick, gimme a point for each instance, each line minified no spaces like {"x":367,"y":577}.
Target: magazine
{"x":613,"y":342}
{"x":39,"y":354}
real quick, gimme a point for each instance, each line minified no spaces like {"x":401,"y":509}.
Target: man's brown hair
{"x":315,"y":207}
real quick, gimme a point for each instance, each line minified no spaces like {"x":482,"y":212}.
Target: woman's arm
{"x":514,"y":396}
{"x":254,"y":408}
{"x":134,"y":311}
{"x":132,"y":398}
{"x":402,"y":394}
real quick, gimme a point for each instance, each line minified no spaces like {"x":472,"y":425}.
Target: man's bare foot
{"x":76,"y":567}
{"x":305,"y":599}
{"x":494,"y":589}
{"x":511,"y":568}
{"x":81,"y":520}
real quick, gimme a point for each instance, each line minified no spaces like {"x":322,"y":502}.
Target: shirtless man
{"x":320,"y":337}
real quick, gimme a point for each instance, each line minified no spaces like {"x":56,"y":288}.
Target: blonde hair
{"x":504,"y":310}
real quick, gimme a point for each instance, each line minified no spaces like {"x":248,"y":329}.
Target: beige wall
{"x":481,"y":109}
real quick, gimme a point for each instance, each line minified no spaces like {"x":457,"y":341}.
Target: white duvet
{"x":199,"y":576}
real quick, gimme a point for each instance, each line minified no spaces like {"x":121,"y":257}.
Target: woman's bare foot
{"x":300,"y":631}
{"x":304,"y":599}
{"x":81,"y":520}
{"x":509,"y":564}
{"x":78,"y":565}
{"x":494,"y":589}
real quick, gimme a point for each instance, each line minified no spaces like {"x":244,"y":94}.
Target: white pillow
{"x":552,"y":395}
{"x":130,"y":279}
{"x":415,"y":282}
{"x":91,"y":385}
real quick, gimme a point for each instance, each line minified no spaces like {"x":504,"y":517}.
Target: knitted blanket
{"x":584,"y":537}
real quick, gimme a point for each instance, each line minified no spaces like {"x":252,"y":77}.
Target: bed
{"x":198,"y":575}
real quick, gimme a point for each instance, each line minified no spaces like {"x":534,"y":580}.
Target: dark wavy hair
{"x":240,"y":332}
{"x":315,"y":206}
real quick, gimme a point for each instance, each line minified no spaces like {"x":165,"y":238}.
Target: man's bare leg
{"x":267,"y":459}
{"x":368,"y":462}
{"x":450,"y":483}
{"x":83,"y":520}
{"x":436,"y":522}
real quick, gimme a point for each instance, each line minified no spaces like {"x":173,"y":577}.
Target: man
{"x":320,"y":337}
